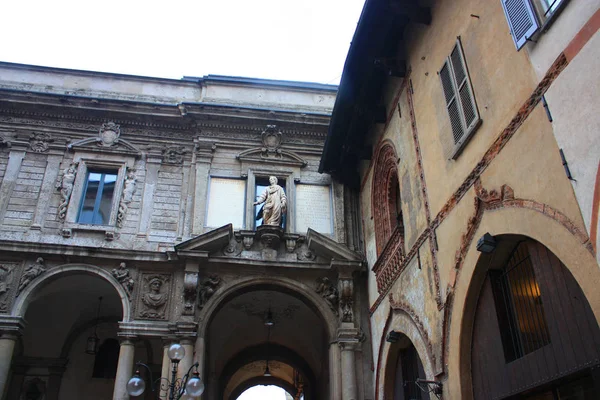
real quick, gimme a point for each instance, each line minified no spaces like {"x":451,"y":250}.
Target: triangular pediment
{"x":330,"y":249}
{"x":207,"y":242}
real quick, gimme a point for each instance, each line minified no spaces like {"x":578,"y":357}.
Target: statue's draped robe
{"x":275,"y":205}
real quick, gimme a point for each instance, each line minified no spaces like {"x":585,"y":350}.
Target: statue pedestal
{"x":270,"y":237}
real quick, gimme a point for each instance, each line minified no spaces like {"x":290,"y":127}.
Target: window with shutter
{"x":460,"y":100}
{"x":526,"y":17}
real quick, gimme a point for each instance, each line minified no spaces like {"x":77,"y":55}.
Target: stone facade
{"x":126,"y":212}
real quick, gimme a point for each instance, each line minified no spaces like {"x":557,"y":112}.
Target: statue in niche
{"x":122,"y":275}
{"x":128,"y":191}
{"x":65,"y":185}
{"x":32,"y":272}
{"x":275,"y":204}
{"x":154,"y":300}
{"x":6,"y":274}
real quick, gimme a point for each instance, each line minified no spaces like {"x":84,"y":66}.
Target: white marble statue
{"x":275,"y":203}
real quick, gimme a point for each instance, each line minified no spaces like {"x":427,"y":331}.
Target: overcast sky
{"x":278,"y":39}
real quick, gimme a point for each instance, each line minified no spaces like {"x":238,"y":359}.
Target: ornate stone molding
{"x":123,"y":275}
{"x":65,"y":185}
{"x":31,"y":272}
{"x":173,"y":155}
{"x":272,"y":150}
{"x":190,"y":292}
{"x":108,"y":140}
{"x":329,"y":292}
{"x":208,"y":287}
{"x":39,"y":142}
{"x":346,"y":288}
{"x":127,"y":196}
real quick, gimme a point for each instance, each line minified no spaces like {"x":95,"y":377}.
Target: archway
{"x":63,"y":308}
{"x":267,"y":324}
{"x":265,"y":392}
{"x":533,"y":331}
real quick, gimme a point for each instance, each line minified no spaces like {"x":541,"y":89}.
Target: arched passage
{"x":533,"y":331}
{"x":295,"y":345}
{"x":64,"y":307}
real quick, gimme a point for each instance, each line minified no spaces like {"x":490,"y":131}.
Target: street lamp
{"x":186,"y":388}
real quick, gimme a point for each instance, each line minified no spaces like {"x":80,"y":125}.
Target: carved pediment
{"x":207,"y":242}
{"x":271,"y":151}
{"x":329,"y":248}
{"x":108,"y":141}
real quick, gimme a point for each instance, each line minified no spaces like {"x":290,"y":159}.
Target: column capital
{"x":11,"y":327}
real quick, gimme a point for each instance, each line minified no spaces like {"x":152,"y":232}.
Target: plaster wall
{"x":551,"y":42}
{"x":572,"y":100}
{"x":502,"y":79}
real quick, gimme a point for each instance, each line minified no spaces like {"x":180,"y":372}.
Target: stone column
{"x":335,"y":378}
{"x":165,"y":372}
{"x":349,"y":387}
{"x":7,"y":346}
{"x":188,"y":359}
{"x":124,"y":369}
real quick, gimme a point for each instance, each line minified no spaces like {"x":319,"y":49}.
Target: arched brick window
{"x":387,"y":211}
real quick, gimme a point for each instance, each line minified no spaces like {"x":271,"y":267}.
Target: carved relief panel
{"x":154,"y":296}
{"x":8,"y":283}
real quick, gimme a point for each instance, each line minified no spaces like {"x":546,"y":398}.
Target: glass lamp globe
{"x":136,"y":386}
{"x":195,"y":386}
{"x":176,"y":352}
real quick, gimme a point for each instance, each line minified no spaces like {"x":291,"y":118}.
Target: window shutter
{"x":521,"y":20}
{"x":463,"y":85}
{"x":452,"y":102}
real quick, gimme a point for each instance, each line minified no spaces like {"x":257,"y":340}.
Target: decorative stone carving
{"x":109,"y":134}
{"x":271,"y":139}
{"x":248,"y":241}
{"x":290,"y":245}
{"x":190,"y":287}
{"x":275,"y":204}
{"x":39,"y":142}
{"x":155,"y":297}
{"x":128,"y":191}
{"x":329,"y":292}
{"x":66,"y":233}
{"x":305,"y":254}
{"x":4,"y":142}
{"x":124,"y":277}
{"x":270,"y":237}
{"x":6,"y":280}
{"x":173,"y":155}
{"x":232,"y":249}
{"x":346,"y":299}
{"x":65,"y":185}
{"x":207,"y":288}
{"x":31,"y":272}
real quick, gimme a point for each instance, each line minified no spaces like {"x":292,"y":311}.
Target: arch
{"x":385,"y":194}
{"x":22,"y":302}
{"x":508,"y":221}
{"x":277,"y":353}
{"x":299,"y":290}
{"x":261,"y":380}
{"x":402,"y":322}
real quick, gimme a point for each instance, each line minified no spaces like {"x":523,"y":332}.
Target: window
{"x":460,"y":100}
{"x":526,"y":17}
{"x":98,"y":195}
{"x":519,"y":307}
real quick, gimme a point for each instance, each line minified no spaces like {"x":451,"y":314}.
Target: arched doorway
{"x":403,"y":370}
{"x":54,"y":358}
{"x":267,"y":325}
{"x":534,"y":333}
{"x":266,"y":392}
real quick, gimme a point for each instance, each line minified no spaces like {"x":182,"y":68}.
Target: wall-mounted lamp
{"x":392,"y":337}
{"x":426,"y":386}
{"x":486,"y":243}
